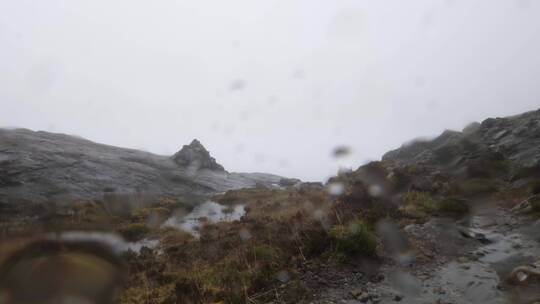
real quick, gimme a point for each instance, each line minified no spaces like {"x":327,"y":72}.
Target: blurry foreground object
{"x":50,"y":271}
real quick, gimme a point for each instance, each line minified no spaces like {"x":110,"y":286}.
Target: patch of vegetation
{"x":477,"y":186}
{"x":417,"y":205}
{"x":134,"y":232}
{"x":353,"y":240}
{"x":91,"y":212}
{"x":535,"y":203}
{"x":452,"y":206}
{"x":420,"y":205}
{"x":254,"y":260}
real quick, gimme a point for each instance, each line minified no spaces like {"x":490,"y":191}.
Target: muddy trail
{"x":489,"y":257}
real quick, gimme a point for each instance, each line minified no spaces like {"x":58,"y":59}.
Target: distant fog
{"x":270,"y":85}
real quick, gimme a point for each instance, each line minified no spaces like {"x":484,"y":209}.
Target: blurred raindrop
{"x":272,"y":100}
{"x":405,"y":283}
{"x":61,"y":272}
{"x":237,"y":85}
{"x":395,"y":242}
{"x":341,"y":152}
{"x":335,"y":188}
{"x":245,"y":235}
{"x":375,"y":190}
{"x":283,"y":276}
{"x":299,"y":74}
{"x":308,"y":206}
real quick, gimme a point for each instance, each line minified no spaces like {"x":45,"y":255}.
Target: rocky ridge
{"x":42,"y":167}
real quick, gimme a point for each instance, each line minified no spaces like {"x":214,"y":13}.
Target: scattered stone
{"x":474,"y":234}
{"x":356,"y":293}
{"x":463,"y":259}
{"x":364,"y":297}
{"x":524,"y":274}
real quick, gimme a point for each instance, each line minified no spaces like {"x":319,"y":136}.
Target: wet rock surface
{"x":195,"y":157}
{"x":42,"y":167}
{"x":489,"y":258}
{"x":516,"y":138}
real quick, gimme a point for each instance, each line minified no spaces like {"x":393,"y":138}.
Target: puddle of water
{"x":115,"y":242}
{"x":471,"y":282}
{"x":479,"y":281}
{"x":208,"y":212}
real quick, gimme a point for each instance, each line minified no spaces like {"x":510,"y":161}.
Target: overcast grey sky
{"x":266,"y":85}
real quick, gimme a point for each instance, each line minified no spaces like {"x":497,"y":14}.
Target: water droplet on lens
{"x":375,"y":190}
{"x":283,"y":276}
{"x":335,"y":189}
{"x":245,"y":235}
{"x":341,"y":151}
{"x":237,"y":85}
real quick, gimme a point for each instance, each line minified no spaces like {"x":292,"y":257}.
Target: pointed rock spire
{"x":195,"y":156}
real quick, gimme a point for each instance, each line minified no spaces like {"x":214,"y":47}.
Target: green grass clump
{"x":134,"y":232}
{"x":417,"y":205}
{"x":420,"y":205}
{"x":354,"y":239}
{"x":477,"y":186}
{"x":452,"y":206}
{"x":91,"y":212}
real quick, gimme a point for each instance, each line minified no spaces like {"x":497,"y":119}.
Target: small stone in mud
{"x":439,"y":290}
{"x":356,"y":293}
{"x":398,"y":298}
{"x":463,"y":260}
{"x":364,"y":297}
{"x":377,"y":278}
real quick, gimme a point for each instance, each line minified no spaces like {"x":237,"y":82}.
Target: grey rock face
{"x":515,"y":138}
{"x":195,"y":157}
{"x":41,"y":167}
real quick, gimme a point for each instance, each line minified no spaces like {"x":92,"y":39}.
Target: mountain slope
{"x":515,"y":138}
{"x":45,"y":167}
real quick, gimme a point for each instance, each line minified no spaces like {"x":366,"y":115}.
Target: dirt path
{"x":467,"y":261}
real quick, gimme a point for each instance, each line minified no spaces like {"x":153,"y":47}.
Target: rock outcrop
{"x":42,"y":167}
{"x":515,"y":139}
{"x":195,"y":157}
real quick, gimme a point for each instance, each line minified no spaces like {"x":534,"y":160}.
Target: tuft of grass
{"x":420,"y":205}
{"x":134,"y":232}
{"x":477,"y":186}
{"x":417,"y":205}
{"x":452,"y":206}
{"x":353,"y":240}
{"x":91,"y":212}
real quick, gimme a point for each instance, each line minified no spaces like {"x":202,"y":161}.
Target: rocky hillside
{"x":455,"y":219}
{"x":45,"y":167}
{"x":515,"y":138}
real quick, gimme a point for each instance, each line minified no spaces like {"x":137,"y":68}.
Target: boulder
{"x":196,"y":157}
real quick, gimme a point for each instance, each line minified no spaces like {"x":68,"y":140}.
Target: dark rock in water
{"x":42,"y":167}
{"x":196,"y":157}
